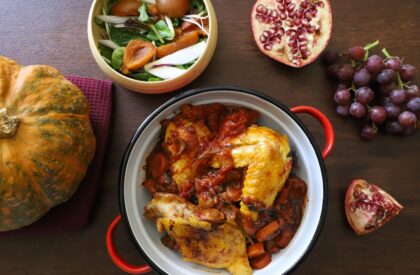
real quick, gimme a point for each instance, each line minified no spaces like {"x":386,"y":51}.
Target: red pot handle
{"x":118,"y":261}
{"x":328,"y":128}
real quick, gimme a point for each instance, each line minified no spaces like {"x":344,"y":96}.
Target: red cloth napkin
{"x":74,"y":214}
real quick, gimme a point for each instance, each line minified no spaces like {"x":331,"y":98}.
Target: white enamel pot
{"x":133,"y":196}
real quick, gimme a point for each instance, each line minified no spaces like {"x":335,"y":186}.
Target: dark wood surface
{"x":54,"y":32}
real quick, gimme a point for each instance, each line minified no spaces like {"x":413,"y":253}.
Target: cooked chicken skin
{"x":182,"y":140}
{"x":266,"y":154}
{"x":217,"y":246}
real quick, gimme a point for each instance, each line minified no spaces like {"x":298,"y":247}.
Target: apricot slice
{"x":182,"y":42}
{"x":137,"y":54}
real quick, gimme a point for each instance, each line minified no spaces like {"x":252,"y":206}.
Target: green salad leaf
{"x":117,"y":58}
{"x":143,"y":17}
{"x":121,"y":36}
{"x":164,"y":30}
{"x":105,"y":51}
{"x":198,"y":5}
{"x":175,"y":22}
{"x":145,"y":76}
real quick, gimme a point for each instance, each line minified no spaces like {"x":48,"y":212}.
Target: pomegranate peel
{"x":368,"y":207}
{"x":293,"y":32}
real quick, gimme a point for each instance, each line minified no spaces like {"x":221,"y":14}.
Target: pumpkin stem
{"x":8,"y":124}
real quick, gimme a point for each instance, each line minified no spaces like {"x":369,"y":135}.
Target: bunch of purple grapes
{"x":378,"y":89}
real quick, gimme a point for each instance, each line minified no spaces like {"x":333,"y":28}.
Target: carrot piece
{"x":255,"y":250}
{"x":137,"y":54}
{"x":158,"y":165}
{"x":268,"y":232}
{"x":260,"y":261}
{"x":150,"y":186}
{"x":271,"y":246}
{"x":284,"y":238}
{"x":182,"y":42}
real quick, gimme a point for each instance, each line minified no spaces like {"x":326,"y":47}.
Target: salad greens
{"x":156,"y":30}
{"x":117,"y":58}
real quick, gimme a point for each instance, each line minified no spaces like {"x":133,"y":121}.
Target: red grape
{"x":387,"y":89}
{"x":414,"y":105}
{"x":364,"y":95}
{"x":409,"y":130}
{"x":392,"y":111}
{"x":343,"y":110}
{"x":408,"y":72}
{"x":386,"y":76}
{"x":394,"y":127}
{"x":412,"y":92}
{"x":333,"y":70}
{"x":369,"y":132}
{"x":342,"y":97}
{"x":407,"y":118}
{"x":329,"y":57}
{"x":345,"y":73}
{"x":393,"y":63}
{"x":374,"y":64}
{"x":398,"y":96}
{"x":361,"y":77}
{"x":356,"y":53}
{"x":357,"y":110}
{"x":377,"y":114}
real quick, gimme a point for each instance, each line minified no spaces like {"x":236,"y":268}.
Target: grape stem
{"x":388,"y":55}
{"x":371,"y":45}
{"x":368,"y":47}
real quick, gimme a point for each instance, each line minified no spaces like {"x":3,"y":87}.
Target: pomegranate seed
{"x":302,"y":37}
{"x":272,"y":30}
{"x":295,"y":51}
{"x":304,"y":4}
{"x":289,"y":23}
{"x":261,"y":8}
{"x":300,"y":30}
{"x":283,"y":16}
{"x":308,"y":16}
{"x":268,"y":47}
{"x":303,"y":48}
{"x":311,"y":29}
{"x":305,"y":22}
{"x":274,"y":14}
{"x":278,"y":23}
{"x":291,"y":7}
{"x":263,"y":39}
{"x":266,"y":33}
{"x":281,"y":31}
{"x":319,"y":4}
{"x":291,"y":32}
{"x":299,"y":14}
{"x":287,"y":2}
{"x":267,"y":12}
{"x":297,"y":21}
{"x":291,"y":14}
{"x":281,"y":7}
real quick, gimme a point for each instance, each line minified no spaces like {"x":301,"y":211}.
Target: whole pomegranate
{"x":293,"y":32}
{"x":368,"y":207}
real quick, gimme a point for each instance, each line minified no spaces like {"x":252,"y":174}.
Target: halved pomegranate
{"x":293,"y":32}
{"x":368,"y":207}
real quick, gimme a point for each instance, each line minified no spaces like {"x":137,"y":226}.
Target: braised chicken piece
{"x":182,"y":140}
{"x":266,"y":154}
{"x":198,"y":234}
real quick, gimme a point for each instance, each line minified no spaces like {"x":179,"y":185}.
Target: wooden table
{"x":54,"y":32}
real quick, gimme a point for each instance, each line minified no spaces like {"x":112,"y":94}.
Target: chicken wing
{"x":197,"y":237}
{"x":266,"y":154}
